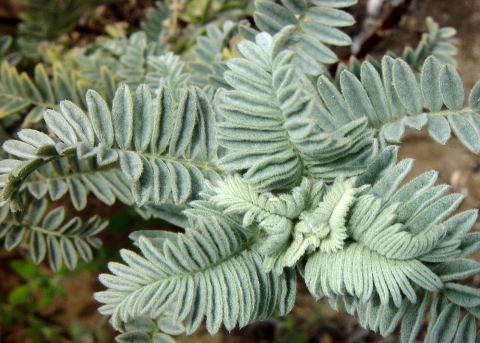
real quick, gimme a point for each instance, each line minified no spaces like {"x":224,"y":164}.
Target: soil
{"x":310,"y":321}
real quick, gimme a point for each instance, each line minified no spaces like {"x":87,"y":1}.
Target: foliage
{"x":273,"y":169}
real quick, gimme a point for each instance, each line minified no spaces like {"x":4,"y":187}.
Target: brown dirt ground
{"x":310,"y":321}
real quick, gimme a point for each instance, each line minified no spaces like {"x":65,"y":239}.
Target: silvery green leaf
{"x":4,"y":212}
{"x":142,"y":119}
{"x":459,"y":224}
{"x":334,"y":3}
{"x":94,"y":242}
{"x":379,"y":167}
{"x":162,"y":180}
{"x":43,"y":83}
{"x":439,"y":129}
{"x":119,"y":186}
{"x":254,"y":54}
{"x":474,"y":97}
{"x":296,"y":6}
{"x":186,"y":120}
{"x":395,"y":131}
{"x":163,"y":121}
{"x":466,"y":330}
{"x":245,"y":80}
{"x":406,"y":87}
{"x":122,"y":116}
{"x":91,"y":227}
{"x":131,"y":164}
{"x":141,"y":324}
{"x":415,"y":123}
{"x":19,"y":149}
{"x":133,"y":337}
{"x":38,"y":189}
{"x":325,"y":33}
{"x":271,"y":17}
{"x":142,"y":188}
{"x":442,"y":208}
{"x":330,"y":16}
{"x":4,"y":229}
{"x":474,"y":118}
{"x":417,"y":202}
{"x":83,"y":249}
{"x":162,"y":338}
{"x":65,"y":149}
{"x":444,"y":326}
{"x":54,"y":253}
{"x":60,"y":127}
{"x":38,"y":247}
{"x":206,"y":122}
{"x":71,"y":227}
{"x":451,"y":87}
{"x":456,"y":269}
{"x":84,"y":151}
{"x":7,"y":165}
{"x":56,"y":188}
{"x":386,"y":186}
{"x":53,"y":219}
{"x":357,"y":98}
{"x":106,"y":155}
{"x":317,"y":51}
{"x":14,"y":237}
{"x":78,"y":121}
{"x":156,"y":237}
{"x":181,"y":182}
{"x":304,"y":59}
{"x":62,"y":86}
{"x":36,"y":210}
{"x":77,"y":192}
{"x":430,"y":80}
{"x":439,"y":302}
{"x":470,"y":243}
{"x":69,"y":253}
{"x":372,"y":82}
{"x":100,"y":117}
{"x":465,"y":132}
{"x":35,"y":138}
{"x":396,"y":104}
{"x":334,"y":100}
{"x":414,"y":316}
{"x":287,"y":291}
{"x":389,"y":316}
{"x":170,"y":327}
{"x":168,"y":212}
{"x":461,"y":295}
{"x":98,"y":187}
